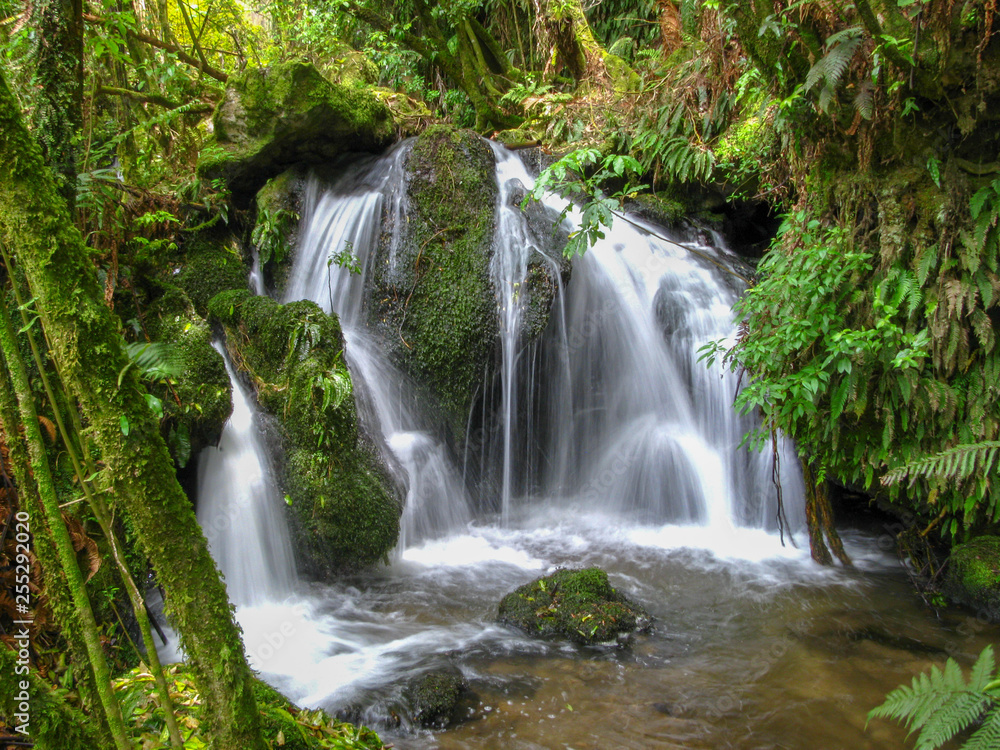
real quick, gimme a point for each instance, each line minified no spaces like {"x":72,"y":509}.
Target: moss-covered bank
{"x":344,"y":513}
{"x":973,"y":575}
{"x":432,"y":297}
{"x":272,"y":118}
{"x":579,"y":605}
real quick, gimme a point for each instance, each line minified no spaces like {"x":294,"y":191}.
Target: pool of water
{"x":753,"y":646}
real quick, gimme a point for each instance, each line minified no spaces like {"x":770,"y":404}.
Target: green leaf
{"x":126,"y":427}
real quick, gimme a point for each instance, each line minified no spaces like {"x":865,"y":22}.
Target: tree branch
{"x":159,"y":44}
{"x":156,"y":99}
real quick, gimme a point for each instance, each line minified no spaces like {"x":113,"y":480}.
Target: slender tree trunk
{"x":60,"y":534}
{"x":819,"y":519}
{"x":60,"y":603}
{"x":88,"y":349}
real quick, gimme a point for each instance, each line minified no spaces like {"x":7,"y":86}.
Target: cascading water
{"x":239,"y":501}
{"x":612,"y":446}
{"x":343,"y":227}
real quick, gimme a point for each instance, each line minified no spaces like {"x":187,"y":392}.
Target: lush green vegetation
{"x":869,"y":333}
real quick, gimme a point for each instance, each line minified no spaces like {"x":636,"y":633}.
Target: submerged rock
{"x":272,"y":118}
{"x":579,"y":605}
{"x":439,"y":699}
{"x":344,"y":512}
{"x":973,"y":575}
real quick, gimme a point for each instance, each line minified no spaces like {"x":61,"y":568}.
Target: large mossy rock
{"x":578,"y":605}
{"x":345,"y":515}
{"x":170,"y":288}
{"x":973,"y":576}
{"x":197,"y":403}
{"x":432,"y":296}
{"x":272,"y":118}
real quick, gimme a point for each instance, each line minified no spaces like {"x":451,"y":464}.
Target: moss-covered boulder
{"x":211,"y":263}
{"x":432,"y":296}
{"x":439,"y":699}
{"x":344,"y":512}
{"x":197,"y":402}
{"x":973,"y":575}
{"x":579,"y":605}
{"x":273,"y":118}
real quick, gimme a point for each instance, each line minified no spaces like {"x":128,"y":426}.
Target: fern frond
{"x":156,"y":360}
{"x":941,"y":704}
{"x":987,"y":737}
{"x":953,"y":464}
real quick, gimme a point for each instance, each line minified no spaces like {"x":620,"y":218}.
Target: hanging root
{"x":819,"y":518}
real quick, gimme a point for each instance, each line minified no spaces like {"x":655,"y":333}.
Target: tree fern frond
{"x":987,"y":737}
{"x":953,"y":464}
{"x":941,"y":704}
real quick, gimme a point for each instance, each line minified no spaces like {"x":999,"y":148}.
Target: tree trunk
{"x":59,"y":80}
{"x":60,"y":534}
{"x":59,"y":602}
{"x":88,"y":350}
{"x":566,"y":33}
{"x":670,"y":25}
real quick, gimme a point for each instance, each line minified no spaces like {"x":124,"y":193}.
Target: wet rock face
{"x":973,"y":575}
{"x":432,"y":298}
{"x":578,"y":605}
{"x":272,"y":118}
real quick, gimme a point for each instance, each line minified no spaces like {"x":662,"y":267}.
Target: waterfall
{"x":612,"y":396}
{"x":240,"y":507}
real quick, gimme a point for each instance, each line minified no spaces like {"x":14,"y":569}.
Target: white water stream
{"x":612,"y":446}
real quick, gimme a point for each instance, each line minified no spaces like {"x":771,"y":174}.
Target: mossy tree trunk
{"x":60,"y":534}
{"x":566,"y":33}
{"x":88,"y":350}
{"x":468,"y":66}
{"x":59,"y":81}
{"x":57,"y":595}
{"x":819,"y":520}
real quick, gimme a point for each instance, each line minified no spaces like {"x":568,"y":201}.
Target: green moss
{"x":973,"y":576}
{"x":199,"y":401}
{"x":434,"y":299}
{"x":272,"y":118}
{"x":579,"y":605}
{"x":342,"y":508}
{"x":211,"y":264}
{"x":664,"y":207}
{"x":436,"y":698}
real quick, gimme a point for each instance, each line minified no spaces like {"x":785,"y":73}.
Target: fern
{"x":941,"y":704}
{"x":953,"y":464}
{"x":832,"y":67}
{"x":155,"y":361}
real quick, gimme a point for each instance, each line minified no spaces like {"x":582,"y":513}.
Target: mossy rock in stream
{"x":973,"y":575}
{"x":438,"y":699}
{"x":576,"y":604}
{"x":343,"y":508}
{"x":272,"y":118}
{"x":198,"y":402}
{"x":432,"y":297}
